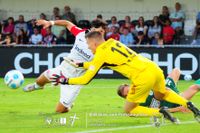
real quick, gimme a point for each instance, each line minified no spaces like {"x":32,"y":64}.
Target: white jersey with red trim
{"x":80,"y":51}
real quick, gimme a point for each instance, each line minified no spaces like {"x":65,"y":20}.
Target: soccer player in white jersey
{"x":79,"y":53}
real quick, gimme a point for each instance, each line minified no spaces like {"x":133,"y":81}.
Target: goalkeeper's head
{"x":123,"y":90}
{"x":99,"y":25}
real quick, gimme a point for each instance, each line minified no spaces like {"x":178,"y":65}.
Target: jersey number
{"x":121,"y":52}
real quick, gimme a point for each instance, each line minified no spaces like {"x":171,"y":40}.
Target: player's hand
{"x":43,"y":23}
{"x":59,"y":79}
{"x":74,"y":64}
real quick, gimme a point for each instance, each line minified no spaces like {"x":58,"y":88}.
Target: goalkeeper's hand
{"x":59,"y":79}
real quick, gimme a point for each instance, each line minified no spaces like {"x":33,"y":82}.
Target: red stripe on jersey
{"x":76,"y":30}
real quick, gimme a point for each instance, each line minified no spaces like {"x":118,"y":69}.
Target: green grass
{"x":22,"y":112}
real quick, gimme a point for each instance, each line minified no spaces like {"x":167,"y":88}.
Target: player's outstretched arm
{"x":84,"y":65}
{"x":47,"y":24}
{"x":94,"y":67}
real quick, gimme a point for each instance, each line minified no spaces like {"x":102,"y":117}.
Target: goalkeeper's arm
{"x":93,"y":67}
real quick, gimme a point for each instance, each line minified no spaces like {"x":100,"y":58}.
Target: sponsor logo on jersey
{"x":81,"y":40}
{"x":82,"y":52}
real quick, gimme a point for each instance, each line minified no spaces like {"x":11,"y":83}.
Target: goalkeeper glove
{"x":59,"y":79}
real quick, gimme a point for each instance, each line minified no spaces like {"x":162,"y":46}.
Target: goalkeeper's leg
{"x":133,"y":109}
{"x":173,"y":97}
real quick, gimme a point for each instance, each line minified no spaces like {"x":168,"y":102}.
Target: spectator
{"x":114,"y":35}
{"x":50,"y":38}
{"x":0,"y":37}
{"x":113,"y":23}
{"x":68,"y":15}
{"x":62,"y":38}
{"x":168,"y":33}
{"x":141,"y":39}
{"x":43,"y":31}
{"x":36,"y":38}
{"x":126,"y":37}
{"x":196,"y":30}
{"x":22,"y":37}
{"x":31,"y":26}
{"x":141,"y":26}
{"x":1,"y":27}
{"x":43,"y":16}
{"x":7,"y":41}
{"x":20,"y":25}
{"x":198,"y":16}
{"x":99,"y":17}
{"x":156,"y":27}
{"x":164,"y":16}
{"x":128,"y":25}
{"x":177,"y":19}
{"x":8,"y":28}
{"x":56,"y":12}
{"x":157,"y":40}
{"x":57,"y":29}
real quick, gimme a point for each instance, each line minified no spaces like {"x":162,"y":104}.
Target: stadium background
{"x":20,"y":112}
{"x":87,"y":10}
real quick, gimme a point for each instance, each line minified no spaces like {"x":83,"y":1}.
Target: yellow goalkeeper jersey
{"x":116,"y":56}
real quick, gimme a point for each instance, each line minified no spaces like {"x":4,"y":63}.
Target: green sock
{"x":197,"y":82}
{"x":169,"y":83}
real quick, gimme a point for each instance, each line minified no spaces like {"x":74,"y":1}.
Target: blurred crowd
{"x":164,"y":29}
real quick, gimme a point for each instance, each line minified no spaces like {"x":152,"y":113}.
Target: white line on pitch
{"x":125,"y":128}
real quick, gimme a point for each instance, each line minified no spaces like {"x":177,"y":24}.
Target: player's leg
{"x":42,"y":80}
{"x":161,"y":93}
{"x":135,"y":110}
{"x":138,"y":93}
{"x":175,"y":74}
{"x":60,"y":108}
{"x":171,"y":96}
{"x":191,"y":91}
{"x":39,"y":84}
{"x":68,"y":94}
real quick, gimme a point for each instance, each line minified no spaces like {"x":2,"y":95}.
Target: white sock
{"x":37,"y":87}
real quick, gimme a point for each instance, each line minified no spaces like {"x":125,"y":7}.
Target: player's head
{"x":99,"y":25}
{"x":94,"y":39}
{"x":122,"y":90}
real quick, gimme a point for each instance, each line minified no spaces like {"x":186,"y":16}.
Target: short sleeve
{"x":76,"y":30}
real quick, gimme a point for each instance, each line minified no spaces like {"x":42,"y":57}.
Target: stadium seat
{"x":134,"y":22}
{"x":148,"y":23}
{"x":189,"y":27}
{"x":121,"y":22}
{"x":85,"y":24}
{"x":108,"y":21}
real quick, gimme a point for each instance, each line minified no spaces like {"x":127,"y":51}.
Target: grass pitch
{"x":97,"y":109}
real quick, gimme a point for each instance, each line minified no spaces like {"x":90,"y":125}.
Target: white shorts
{"x":68,"y":93}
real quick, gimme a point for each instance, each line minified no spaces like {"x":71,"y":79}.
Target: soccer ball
{"x":14,"y":79}
{"x":188,"y":77}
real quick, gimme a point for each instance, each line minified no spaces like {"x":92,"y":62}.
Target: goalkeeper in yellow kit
{"x":143,"y":73}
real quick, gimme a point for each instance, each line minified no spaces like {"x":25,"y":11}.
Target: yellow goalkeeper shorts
{"x":152,"y":78}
